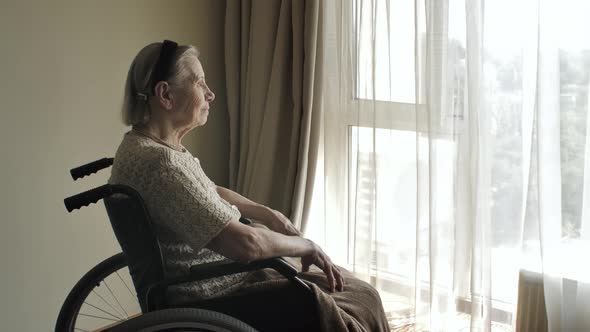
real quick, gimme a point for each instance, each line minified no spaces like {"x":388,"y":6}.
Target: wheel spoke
{"x":92,"y":309}
{"x":109,"y":288}
{"x":107,"y":303}
{"x":99,"y":317}
{"x":106,"y":312}
{"x":124,"y":283}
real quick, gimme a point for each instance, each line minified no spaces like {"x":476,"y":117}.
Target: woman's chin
{"x":201,"y":122}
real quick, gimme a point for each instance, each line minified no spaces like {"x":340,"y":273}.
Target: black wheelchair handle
{"x":88,"y":197}
{"x":93,"y":167}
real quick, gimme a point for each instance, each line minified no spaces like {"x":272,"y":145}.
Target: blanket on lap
{"x":357,"y":308}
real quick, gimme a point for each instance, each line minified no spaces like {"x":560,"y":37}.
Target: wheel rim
{"x":184,"y":327}
{"x":184,"y":320}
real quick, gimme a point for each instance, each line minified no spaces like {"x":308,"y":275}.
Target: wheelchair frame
{"x":152,"y":298}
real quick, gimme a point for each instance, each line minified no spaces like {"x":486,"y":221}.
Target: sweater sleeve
{"x":184,"y":203}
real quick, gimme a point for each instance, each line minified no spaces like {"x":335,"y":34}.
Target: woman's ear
{"x":163,"y":95}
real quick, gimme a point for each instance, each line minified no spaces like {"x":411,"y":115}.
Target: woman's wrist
{"x":310,"y":247}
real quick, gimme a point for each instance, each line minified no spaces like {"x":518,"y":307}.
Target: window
{"x":381,"y":155}
{"x":385,"y":143}
{"x":387,"y":104}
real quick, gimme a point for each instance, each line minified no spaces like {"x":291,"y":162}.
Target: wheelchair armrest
{"x":227,"y":267}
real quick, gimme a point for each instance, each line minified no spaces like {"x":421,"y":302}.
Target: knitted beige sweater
{"x":185,"y":208}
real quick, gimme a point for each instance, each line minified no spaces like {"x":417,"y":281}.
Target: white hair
{"x":136,"y":109}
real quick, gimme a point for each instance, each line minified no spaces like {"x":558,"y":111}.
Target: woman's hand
{"x":321,"y":260}
{"x":281,"y":224}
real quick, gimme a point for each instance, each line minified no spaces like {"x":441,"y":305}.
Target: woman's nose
{"x":210,"y":95}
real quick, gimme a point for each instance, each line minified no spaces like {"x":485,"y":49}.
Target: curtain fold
{"x":272,"y":82}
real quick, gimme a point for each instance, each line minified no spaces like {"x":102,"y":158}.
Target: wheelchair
{"x":126,"y":292}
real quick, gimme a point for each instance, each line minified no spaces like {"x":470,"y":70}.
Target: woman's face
{"x":197,"y":97}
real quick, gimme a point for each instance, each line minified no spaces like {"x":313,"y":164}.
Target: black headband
{"x":162,"y":66}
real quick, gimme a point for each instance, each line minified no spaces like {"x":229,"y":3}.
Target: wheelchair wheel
{"x":105,"y":300}
{"x":105,"y":296}
{"x":185,"y":320}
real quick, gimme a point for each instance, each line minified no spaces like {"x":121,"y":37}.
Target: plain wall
{"x":63,"y":65}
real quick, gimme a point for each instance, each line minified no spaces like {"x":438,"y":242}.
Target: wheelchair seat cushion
{"x":186,"y":211}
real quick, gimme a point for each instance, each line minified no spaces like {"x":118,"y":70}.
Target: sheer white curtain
{"x":454,"y":153}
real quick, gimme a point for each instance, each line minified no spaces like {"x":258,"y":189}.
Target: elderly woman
{"x":166,"y":96}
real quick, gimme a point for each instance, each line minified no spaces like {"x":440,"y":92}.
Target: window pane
{"x":390,"y":156}
{"x":574,"y":76}
{"x":390,"y":59}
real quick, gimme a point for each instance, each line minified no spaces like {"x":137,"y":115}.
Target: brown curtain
{"x":273,"y":89}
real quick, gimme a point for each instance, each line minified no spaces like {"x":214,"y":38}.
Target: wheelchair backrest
{"x":131,"y":223}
